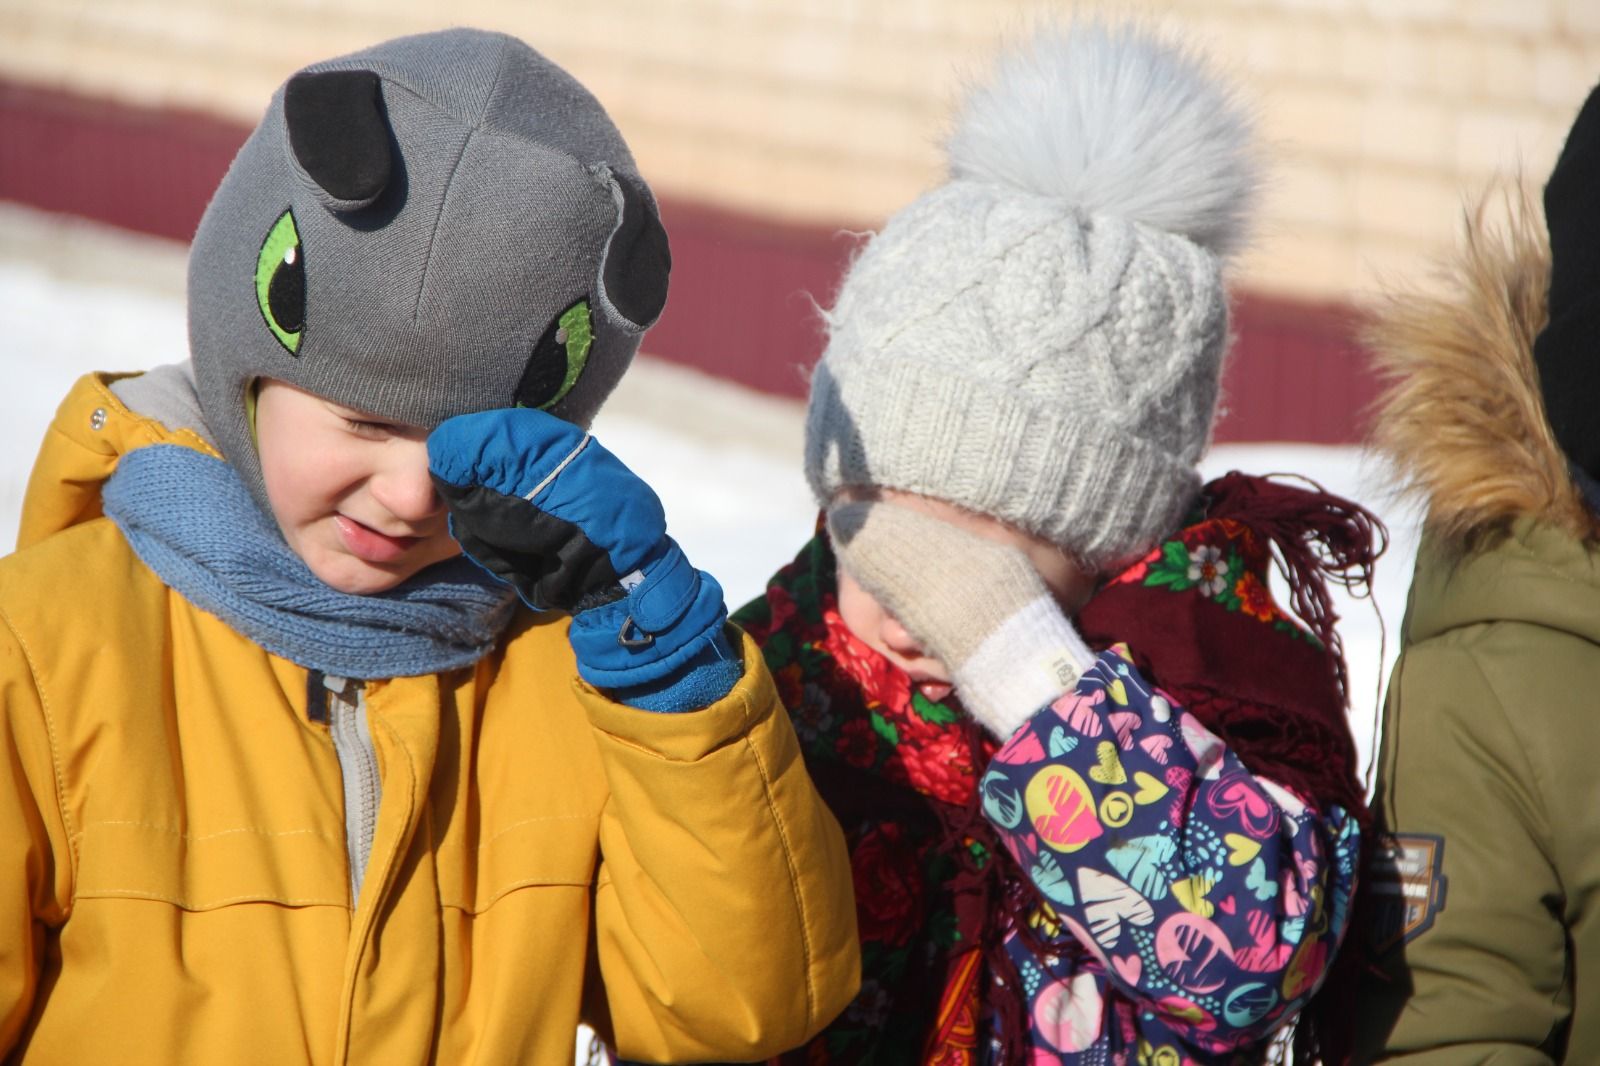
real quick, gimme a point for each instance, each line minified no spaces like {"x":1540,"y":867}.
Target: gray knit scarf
{"x":192,"y":521}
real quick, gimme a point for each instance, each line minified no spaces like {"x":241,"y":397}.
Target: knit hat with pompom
{"x":1040,"y":339}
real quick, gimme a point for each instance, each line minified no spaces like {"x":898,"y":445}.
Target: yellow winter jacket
{"x":174,"y":826}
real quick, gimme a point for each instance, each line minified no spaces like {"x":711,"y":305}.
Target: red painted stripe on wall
{"x":742,"y":288}
{"x":152,"y":171}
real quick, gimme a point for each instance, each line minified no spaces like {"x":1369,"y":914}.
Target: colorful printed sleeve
{"x":1213,"y":899}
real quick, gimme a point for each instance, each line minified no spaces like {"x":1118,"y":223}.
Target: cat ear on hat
{"x":339,"y":135}
{"x":632,"y":286}
{"x":630,"y":292}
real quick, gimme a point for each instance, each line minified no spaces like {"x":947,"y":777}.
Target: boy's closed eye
{"x":362,"y":424}
{"x":366,"y":428}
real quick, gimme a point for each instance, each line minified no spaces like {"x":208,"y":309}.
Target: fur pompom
{"x":1115,"y":121}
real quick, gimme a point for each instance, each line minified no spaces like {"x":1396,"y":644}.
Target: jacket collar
{"x":90,"y":433}
{"x":1461,"y":417}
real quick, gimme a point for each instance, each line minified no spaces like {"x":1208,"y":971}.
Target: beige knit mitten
{"x":978,"y":606}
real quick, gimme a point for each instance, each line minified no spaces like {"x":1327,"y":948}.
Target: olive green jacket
{"x":1484,"y":942}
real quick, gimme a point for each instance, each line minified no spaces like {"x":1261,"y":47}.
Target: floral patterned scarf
{"x":900,"y":771}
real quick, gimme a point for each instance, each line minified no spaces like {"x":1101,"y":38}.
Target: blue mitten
{"x":538,"y":503}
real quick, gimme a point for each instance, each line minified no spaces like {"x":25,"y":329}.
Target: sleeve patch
{"x":1407,"y":886}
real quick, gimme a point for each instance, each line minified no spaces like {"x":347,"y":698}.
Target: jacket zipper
{"x":358,"y":769}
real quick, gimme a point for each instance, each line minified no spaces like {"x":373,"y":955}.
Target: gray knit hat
{"x":437,"y":225}
{"x":1040,"y":339}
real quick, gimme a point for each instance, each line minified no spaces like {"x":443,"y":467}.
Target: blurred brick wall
{"x":1379,"y":112}
{"x":769,"y":126}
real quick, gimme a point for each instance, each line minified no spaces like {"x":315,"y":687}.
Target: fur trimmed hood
{"x":1461,"y":416}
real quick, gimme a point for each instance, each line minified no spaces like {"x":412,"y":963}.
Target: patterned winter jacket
{"x":1186,"y":907}
{"x":1193,"y":906}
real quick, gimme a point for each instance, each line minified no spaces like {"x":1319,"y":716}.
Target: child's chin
{"x":357,"y":578}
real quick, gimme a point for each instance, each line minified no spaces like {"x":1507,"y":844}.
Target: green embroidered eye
{"x":557,"y":360}
{"x":281,"y":282}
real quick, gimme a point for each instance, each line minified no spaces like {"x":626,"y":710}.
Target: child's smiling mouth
{"x":369,"y":545}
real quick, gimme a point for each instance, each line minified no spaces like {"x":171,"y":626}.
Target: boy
{"x":1021,"y":374}
{"x":286,"y":779}
{"x":1485,"y":947}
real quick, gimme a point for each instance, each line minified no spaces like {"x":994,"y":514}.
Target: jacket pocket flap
{"x":204,"y":871}
{"x":551,"y":850}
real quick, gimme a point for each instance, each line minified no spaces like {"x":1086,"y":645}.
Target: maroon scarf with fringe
{"x":933,"y":894}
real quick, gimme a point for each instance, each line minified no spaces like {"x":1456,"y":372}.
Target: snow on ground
{"x":726,"y":461}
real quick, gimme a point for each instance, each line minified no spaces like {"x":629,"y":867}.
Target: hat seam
{"x":433,"y":233}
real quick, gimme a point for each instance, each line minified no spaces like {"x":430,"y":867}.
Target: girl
{"x":1098,"y":787}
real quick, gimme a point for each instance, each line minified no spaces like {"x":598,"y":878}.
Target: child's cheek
{"x":860,"y":612}
{"x":879,"y":630}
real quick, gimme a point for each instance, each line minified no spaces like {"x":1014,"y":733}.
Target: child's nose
{"x":403,"y":486}
{"x":899,"y":638}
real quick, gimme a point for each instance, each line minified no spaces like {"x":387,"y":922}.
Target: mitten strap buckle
{"x":644,"y":640}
